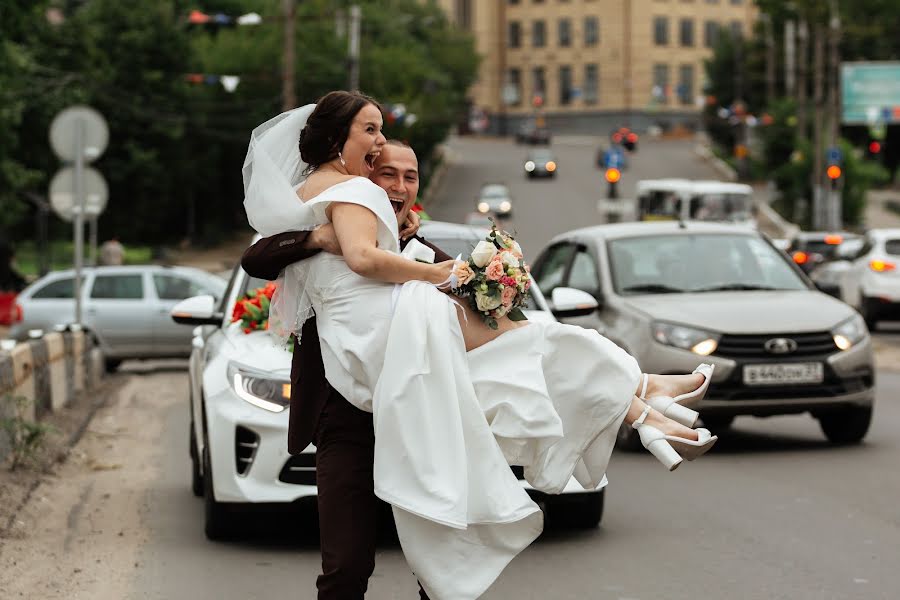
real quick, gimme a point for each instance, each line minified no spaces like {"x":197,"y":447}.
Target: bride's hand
{"x":441,"y":272}
{"x":411,"y":226}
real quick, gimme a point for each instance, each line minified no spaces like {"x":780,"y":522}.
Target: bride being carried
{"x":456,"y":398}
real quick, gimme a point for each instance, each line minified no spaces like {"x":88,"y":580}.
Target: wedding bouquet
{"x":494,"y":279}
{"x":253,"y":309}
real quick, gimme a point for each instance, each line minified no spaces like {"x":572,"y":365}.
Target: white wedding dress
{"x":448,"y":424}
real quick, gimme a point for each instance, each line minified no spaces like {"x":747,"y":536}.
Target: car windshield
{"x":538,"y":156}
{"x":494,"y":192}
{"x":668,"y":264}
{"x":720,"y":207}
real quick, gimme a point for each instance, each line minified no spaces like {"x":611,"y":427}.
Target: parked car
{"x":494,"y":198}
{"x":529,"y":133}
{"x":540,"y":163}
{"x":678,"y":294}
{"x":866,"y":276}
{"x":239,"y":390}
{"x":811,"y":249}
{"x":126,"y":308}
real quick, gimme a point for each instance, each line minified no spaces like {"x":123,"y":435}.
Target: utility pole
{"x":819,"y":221}
{"x":802,"y":205}
{"x":355,"y":17}
{"x":770,"y":60}
{"x":834,"y":105}
{"x":288,"y":94}
{"x":790,"y":48}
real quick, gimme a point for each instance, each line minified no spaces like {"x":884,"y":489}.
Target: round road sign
{"x":64,"y":132}
{"x":62,"y":193}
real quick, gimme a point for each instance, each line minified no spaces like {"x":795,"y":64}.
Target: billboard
{"x":870,"y":93}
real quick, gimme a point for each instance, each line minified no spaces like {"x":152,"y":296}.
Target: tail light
{"x":833,"y":240}
{"x":882,"y":266}
{"x":632,"y":137}
{"x":17,"y":314}
{"x":800,"y":257}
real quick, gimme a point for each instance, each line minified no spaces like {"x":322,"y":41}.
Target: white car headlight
{"x":529,"y":166}
{"x":850,"y":332}
{"x":259,"y":388}
{"x":505,"y":206}
{"x":484,"y":207}
{"x":697,"y":341}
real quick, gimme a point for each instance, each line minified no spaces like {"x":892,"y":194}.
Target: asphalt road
{"x":773,"y":512}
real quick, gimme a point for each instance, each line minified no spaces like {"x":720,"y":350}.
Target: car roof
{"x":124,"y":270}
{"x":443,"y":229}
{"x":540,"y":152}
{"x":699,"y":186}
{"x":884,"y":233}
{"x":491,"y":186}
{"x":650,"y":228}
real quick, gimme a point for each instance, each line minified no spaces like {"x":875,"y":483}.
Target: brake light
{"x":551,"y":166}
{"x":632,"y":137}
{"x":882,"y":266}
{"x":833,"y":240}
{"x":17,"y":314}
{"x":800,"y":257}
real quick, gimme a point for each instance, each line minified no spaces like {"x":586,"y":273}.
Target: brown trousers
{"x":348,"y":507}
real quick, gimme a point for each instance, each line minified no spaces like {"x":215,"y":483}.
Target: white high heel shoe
{"x":671,"y":449}
{"x":676,"y":408}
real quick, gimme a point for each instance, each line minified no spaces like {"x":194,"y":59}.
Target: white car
{"x":494,"y":198}
{"x":239,"y":395}
{"x":867,"y":274}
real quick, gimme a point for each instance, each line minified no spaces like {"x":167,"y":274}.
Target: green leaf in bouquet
{"x":264,"y":303}
{"x":516,"y":314}
{"x":491,"y":322}
{"x":254,"y":312}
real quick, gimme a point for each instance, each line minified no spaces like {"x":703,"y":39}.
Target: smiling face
{"x":397,"y":173}
{"x":364,"y":142}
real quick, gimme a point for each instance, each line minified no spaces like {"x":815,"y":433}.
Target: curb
{"x":448,"y":158}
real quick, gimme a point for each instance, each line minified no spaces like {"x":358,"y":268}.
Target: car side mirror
{"x":832,"y":289}
{"x":569,"y":302}
{"x":197,"y":310}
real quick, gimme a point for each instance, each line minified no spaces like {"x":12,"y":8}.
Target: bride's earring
{"x":343,"y":164}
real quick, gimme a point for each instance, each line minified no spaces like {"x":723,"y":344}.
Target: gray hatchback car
{"x":678,"y":294}
{"x":126,"y":308}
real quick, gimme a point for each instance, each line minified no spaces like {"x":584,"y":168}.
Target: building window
{"x":591,"y":31}
{"x":710,"y":34}
{"x":686,"y":84}
{"x":538,"y":83}
{"x":737,"y":30}
{"x":661,"y":31}
{"x":513,"y":91}
{"x":591,"y":84}
{"x":565,"y":33}
{"x":515,"y":34}
{"x":464,"y":14}
{"x":538,"y":34}
{"x":687,"y":32}
{"x":565,"y":85}
{"x":737,"y":2}
{"x":660,"y":91}
{"x":512,"y":1}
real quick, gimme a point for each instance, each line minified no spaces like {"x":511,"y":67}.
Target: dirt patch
{"x":72,"y":526}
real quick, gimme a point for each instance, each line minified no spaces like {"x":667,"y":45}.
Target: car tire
{"x":717,"y":423}
{"x":580,"y":513}
{"x":217,"y":525}
{"x":196,"y":475}
{"x":112,"y":364}
{"x":628,"y":439}
{"x":846,"y":426}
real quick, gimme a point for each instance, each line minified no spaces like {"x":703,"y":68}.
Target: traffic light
{"x":613,"y":175}
{"x":834,"y":174}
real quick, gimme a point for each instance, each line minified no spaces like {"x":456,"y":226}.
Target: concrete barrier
{"x":48,"y":373}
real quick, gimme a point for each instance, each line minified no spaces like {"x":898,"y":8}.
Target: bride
{"x":454,"y":402}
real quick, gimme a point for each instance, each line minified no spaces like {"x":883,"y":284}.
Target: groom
{"x":343,"y":434}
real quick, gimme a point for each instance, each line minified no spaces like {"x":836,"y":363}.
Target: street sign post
{"x":79,"y":135}
{"x":870,"y":93}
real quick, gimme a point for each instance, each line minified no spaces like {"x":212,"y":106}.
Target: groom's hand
{"x":323,"y":238}
{"x":411,"y":226}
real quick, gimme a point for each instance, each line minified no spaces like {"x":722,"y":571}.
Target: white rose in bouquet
{"x":483,"y":253}
{"x":517,"y":248}
{"x":486,"y":302}
{"x":509,"y":259}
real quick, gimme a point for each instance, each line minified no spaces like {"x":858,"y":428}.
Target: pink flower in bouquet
{"x":464,"y":273}
{"x":508,"y":295}
{"x":495,"y":270}
{"x":508,"y":281}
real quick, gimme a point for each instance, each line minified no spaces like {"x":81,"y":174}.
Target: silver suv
{"x":678,"y":294}
{"x":126,"y":308}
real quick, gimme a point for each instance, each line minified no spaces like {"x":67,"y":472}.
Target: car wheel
{"x":717,"y":423}
{"x":217,"y":525}
{"x":112,"y":364}
{"x":847,"y":426}
{"x":196,"y":475}
{"x":580,"y":513}
{"x":628,"y":439}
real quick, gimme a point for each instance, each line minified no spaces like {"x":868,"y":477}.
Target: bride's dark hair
{"x":329,"y":125}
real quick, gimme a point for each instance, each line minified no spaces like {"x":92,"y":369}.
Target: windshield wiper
{"x":734,"y":286}
{"x":653,"y":288}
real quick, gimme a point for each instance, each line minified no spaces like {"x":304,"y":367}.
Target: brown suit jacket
{"x":309,"y":388}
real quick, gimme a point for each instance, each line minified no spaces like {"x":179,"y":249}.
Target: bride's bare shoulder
{"x":317,"y":183}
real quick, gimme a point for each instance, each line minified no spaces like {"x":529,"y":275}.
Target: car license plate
{"x":781,"y":373}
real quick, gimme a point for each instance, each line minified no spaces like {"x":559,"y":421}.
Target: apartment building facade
{"x":594,"y":63}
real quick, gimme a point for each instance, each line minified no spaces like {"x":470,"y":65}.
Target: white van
{"x":684,"y":199}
